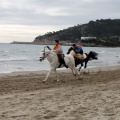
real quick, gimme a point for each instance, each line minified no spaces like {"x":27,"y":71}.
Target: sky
{"x":23,"y":20}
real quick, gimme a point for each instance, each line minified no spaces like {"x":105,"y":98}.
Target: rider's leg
{"x":61,"y":60}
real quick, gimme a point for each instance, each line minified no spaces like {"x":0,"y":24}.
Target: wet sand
{"x":94,"y":95}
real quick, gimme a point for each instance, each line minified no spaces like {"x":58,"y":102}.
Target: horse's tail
{"x":93,"y":55}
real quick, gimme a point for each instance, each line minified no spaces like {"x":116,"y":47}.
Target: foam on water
{"x":23,"y":57}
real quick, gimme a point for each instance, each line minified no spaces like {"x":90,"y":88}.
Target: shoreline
{"x":32,"y":43}
{"x":62,"y":70}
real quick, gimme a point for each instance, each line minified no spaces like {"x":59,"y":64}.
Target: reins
{"x":42,"y":58}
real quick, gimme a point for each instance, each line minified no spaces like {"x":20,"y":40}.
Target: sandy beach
{"x":94,"y":95}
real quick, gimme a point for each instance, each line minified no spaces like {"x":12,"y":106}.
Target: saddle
{"x":78,"y":56}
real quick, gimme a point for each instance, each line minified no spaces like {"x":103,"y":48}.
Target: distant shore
{"x":39,"y":43}
{"x":43,"y":43}
{"x":32,"y":43}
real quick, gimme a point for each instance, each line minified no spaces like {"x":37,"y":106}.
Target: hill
{"x":104,"y":32}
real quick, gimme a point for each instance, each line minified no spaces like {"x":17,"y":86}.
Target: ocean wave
{"x":16,"y":59}
{"x":24,"y":57}
{"x":101,"y":51}
{"x":2,"y":51}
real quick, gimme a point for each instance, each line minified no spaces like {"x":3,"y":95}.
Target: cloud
{"x":39,"y":12}
{"x":57,"y":11}
{"x":55,"y":14}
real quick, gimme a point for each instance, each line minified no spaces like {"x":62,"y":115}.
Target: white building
{"x":87,"y":38}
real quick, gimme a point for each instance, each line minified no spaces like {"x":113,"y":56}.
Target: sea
{"x":25,"y":57}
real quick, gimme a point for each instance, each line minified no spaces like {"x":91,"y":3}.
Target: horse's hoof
{"x":79,"y":69}
{"x":74,"y":74}
{"x":80,"y":78}
{"x":56,"y":80}
{"x":43,"y":81}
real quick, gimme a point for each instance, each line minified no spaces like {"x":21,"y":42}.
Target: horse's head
{"x":44,"y":53}
{"x":71,"y":48}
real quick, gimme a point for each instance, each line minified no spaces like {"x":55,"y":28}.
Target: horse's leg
{"x":48,"y":75}
{"x":85,"y":64}
{"x":56,"y":74}
{"x":74,"y":69}
{"x":86,"y":61}
{"x":80,"y":66}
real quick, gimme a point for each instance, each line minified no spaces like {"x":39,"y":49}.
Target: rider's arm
{"x":78,"y":49}
{"x":58,"y":50}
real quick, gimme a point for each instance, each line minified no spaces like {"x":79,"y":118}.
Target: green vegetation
{"x":107,"y":33}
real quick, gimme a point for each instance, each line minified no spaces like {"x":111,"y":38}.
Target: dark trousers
{"x":61,"y":58}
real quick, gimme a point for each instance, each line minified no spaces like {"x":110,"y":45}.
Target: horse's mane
{"x":49,"y":52}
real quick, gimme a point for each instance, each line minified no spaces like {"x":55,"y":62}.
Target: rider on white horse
{"x":54,"y":62}
{"x":58,"y":50}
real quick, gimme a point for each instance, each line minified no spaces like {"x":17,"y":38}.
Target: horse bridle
{"x":42,"y":58}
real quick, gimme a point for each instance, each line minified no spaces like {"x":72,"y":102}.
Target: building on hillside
{"x":87,"y":38}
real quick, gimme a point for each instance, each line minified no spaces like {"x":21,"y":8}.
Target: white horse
{"x":54,"y":62}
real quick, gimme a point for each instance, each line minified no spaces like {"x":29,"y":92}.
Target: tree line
{"x":106,"y":31}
